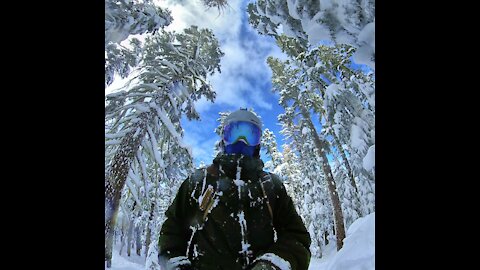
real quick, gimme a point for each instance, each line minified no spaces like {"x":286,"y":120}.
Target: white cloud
{"x":193,"y":12}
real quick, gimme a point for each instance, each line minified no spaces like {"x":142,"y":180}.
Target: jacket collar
{"x":250,"y":168}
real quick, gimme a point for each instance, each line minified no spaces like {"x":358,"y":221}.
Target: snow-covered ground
{"x":358,"y":252}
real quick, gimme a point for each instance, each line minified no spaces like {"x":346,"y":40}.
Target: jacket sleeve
{"x":292,"y":248}
{"x":175,"y":232}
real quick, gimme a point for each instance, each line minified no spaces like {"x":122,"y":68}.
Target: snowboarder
{"x":232,"y":215}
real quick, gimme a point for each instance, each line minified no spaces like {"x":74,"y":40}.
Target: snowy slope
{"x":124,"y":263}
{"x":358,"y":252}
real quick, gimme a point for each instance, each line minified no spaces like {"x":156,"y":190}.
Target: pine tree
{"x":269,"y":143}
{"x":322,"y":71}
{"x":218,"y":148}
{"x":321,"y":84}
{"x":291,"y":96}
{"x":350,"y":22}
{"x":310,"y":189}
{"x":123,"y":19}
{"x":289,"y":170}
{"x":171,"y":76}
{"x":132,"y":17}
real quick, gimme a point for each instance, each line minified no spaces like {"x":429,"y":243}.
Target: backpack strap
{"x":266,"y":180}
{"x":207,"y":198}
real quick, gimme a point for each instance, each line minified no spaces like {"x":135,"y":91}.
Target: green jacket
{"x":238,"y":228}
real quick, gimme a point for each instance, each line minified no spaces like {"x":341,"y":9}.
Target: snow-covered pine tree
{"x":124,"y":19}
{"x":132,"y":17}
{"x":346,"y":192}
{"x":355,"y":126}
{"x":351,"y":26}
{"x":295,"y":96}
{"x":309,"y":188}
{"x":320,"y":70}
{"x":218,"y":148}
{"x":171,"y":76}
{"x":349,"y":22}
{"x":269,"y":143}
{"x":290,"y":171}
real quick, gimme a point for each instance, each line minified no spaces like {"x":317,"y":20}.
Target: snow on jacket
{"x":234,"y":228}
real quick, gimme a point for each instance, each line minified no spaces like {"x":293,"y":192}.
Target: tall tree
{"x":132,"y":17}
{"x":321,"y":71}
{"x":290,"y":171}
{"x":349,"y":22}
{"x":269,"y":143}
{"x":311,"y":191}
{"x":171,"y":77}
{"x":124,"y":19}
{"x":291,"y":96}
{"x":218,"y":148}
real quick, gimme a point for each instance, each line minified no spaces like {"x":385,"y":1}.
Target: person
{"x":232,"y":215}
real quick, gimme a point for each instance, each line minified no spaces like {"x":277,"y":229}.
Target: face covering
{"x":240,"y":148}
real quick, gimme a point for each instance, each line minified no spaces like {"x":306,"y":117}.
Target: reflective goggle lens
{"x":246,"y":131}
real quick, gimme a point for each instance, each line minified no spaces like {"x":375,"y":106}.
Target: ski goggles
{"x":247,"y":132}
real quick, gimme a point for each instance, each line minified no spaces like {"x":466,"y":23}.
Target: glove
{"x":264,"y":265}
{"x":183,"y":267}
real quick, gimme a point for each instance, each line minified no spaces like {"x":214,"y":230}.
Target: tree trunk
{"x":149,"y":228}
{"x":138,"y":240}
{"x":345,"y":161}
{"x":130,"y":237}
{"x":326,"y":237}
{"x":122,"y":236}
{"x":332,"y":188}
{"x":357,"y":203}
{"x":115,"y":180}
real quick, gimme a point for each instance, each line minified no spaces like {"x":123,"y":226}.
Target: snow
{"x":113,"y":142}
{"x":119,"y":134}
{"x":315,"y":31}
{"x":364,"y":56}
{"x":292,"y":9}
{"x":332,"y":90}
{"x":239,"y":182}
{"x":326,"y":4}
{"x":369,"y":159}
{"x":243,"y":227}
{"x":305,"y":130}
{"x":153,"y":141}
{"x":142,"y":108}
{"x":357,"y":138}
{"x":367,"y":35}
{"x":135,"y":178}
{"x":169,"y":125}
{"x":276,"y":260}
{"x":123,"y":263}
{"x":177,"y":261}
{"x":133,"y":190}
{"x":358,"y":252}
